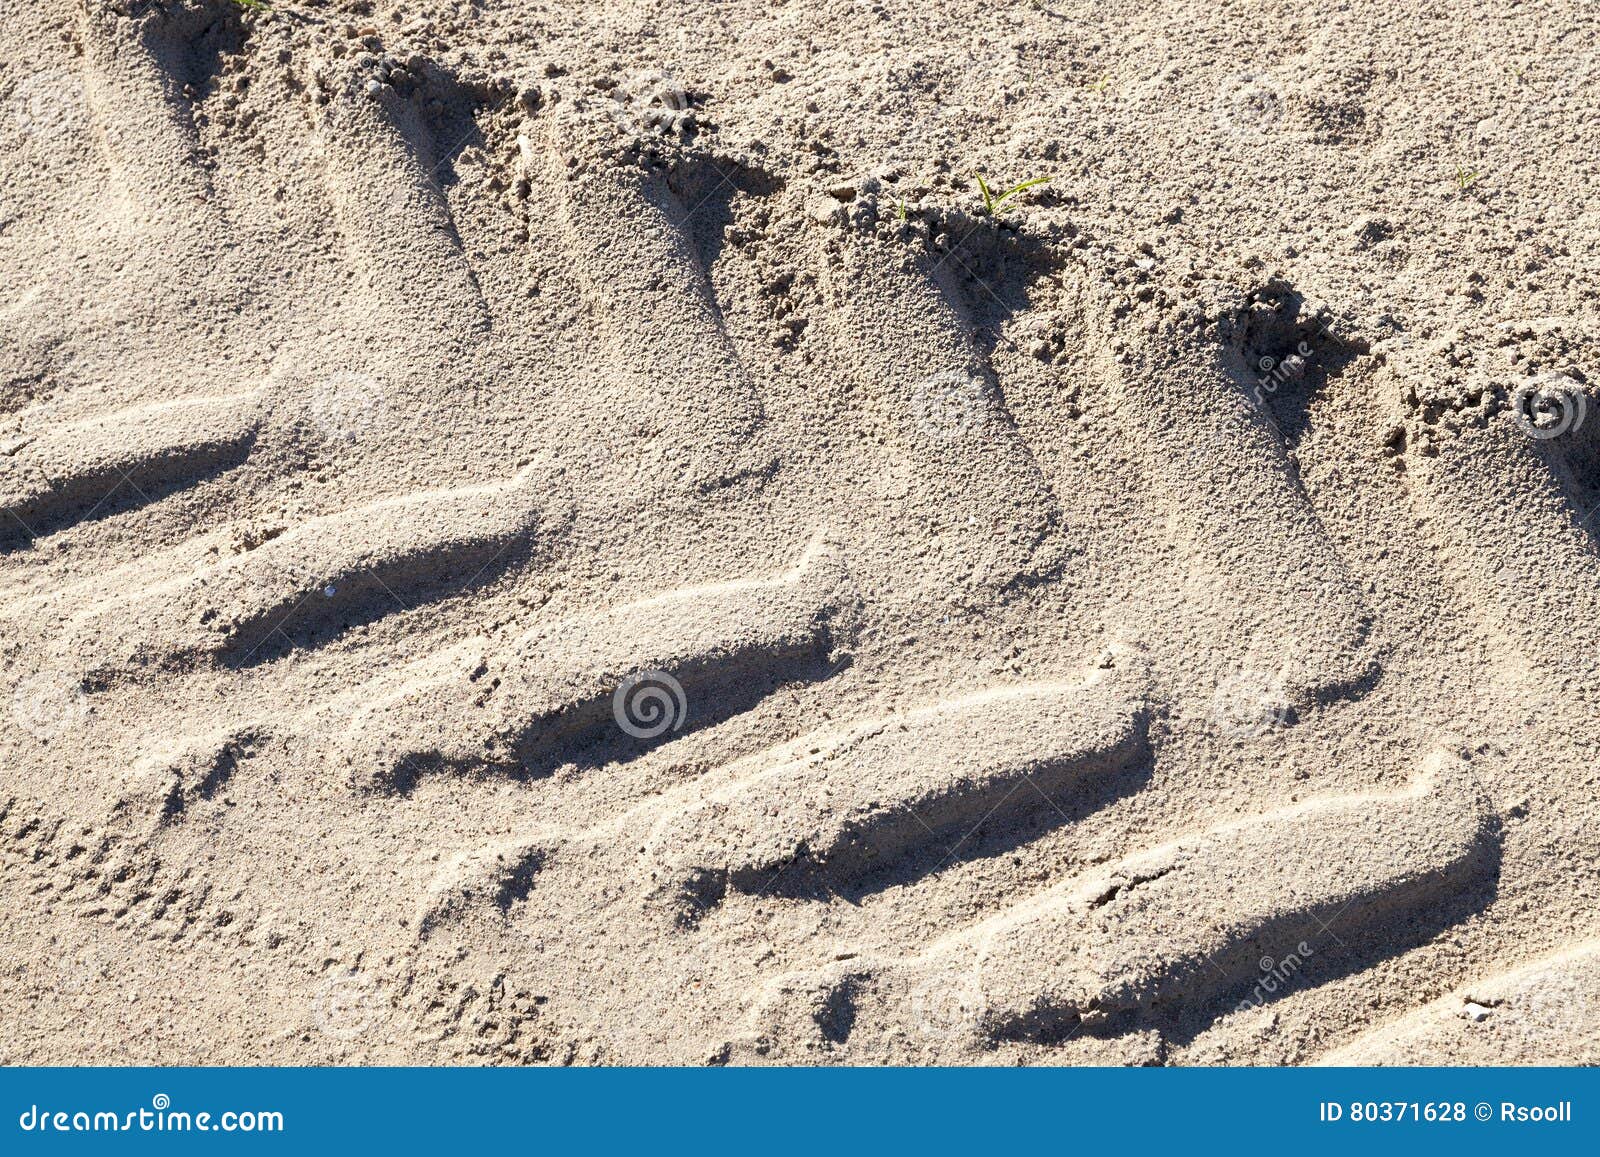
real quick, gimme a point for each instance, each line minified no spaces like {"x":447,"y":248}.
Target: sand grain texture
{"x":539,"y":533}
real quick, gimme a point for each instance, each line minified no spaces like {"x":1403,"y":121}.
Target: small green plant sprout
{"x":1465,"y":178}
{"x":1102,"y":84}
{"x":254,"y":5}
{"x":993,"y":203}
{"x":900,"y":211}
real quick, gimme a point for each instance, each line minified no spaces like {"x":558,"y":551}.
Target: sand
{"x":547,"y":533}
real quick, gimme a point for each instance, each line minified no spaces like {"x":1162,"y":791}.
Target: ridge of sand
{"x":538,"y":533}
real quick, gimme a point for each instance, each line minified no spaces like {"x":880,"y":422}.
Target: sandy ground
{"x":578,"y":533}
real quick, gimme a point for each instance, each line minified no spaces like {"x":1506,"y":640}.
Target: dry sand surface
{"x":572,"y":533}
